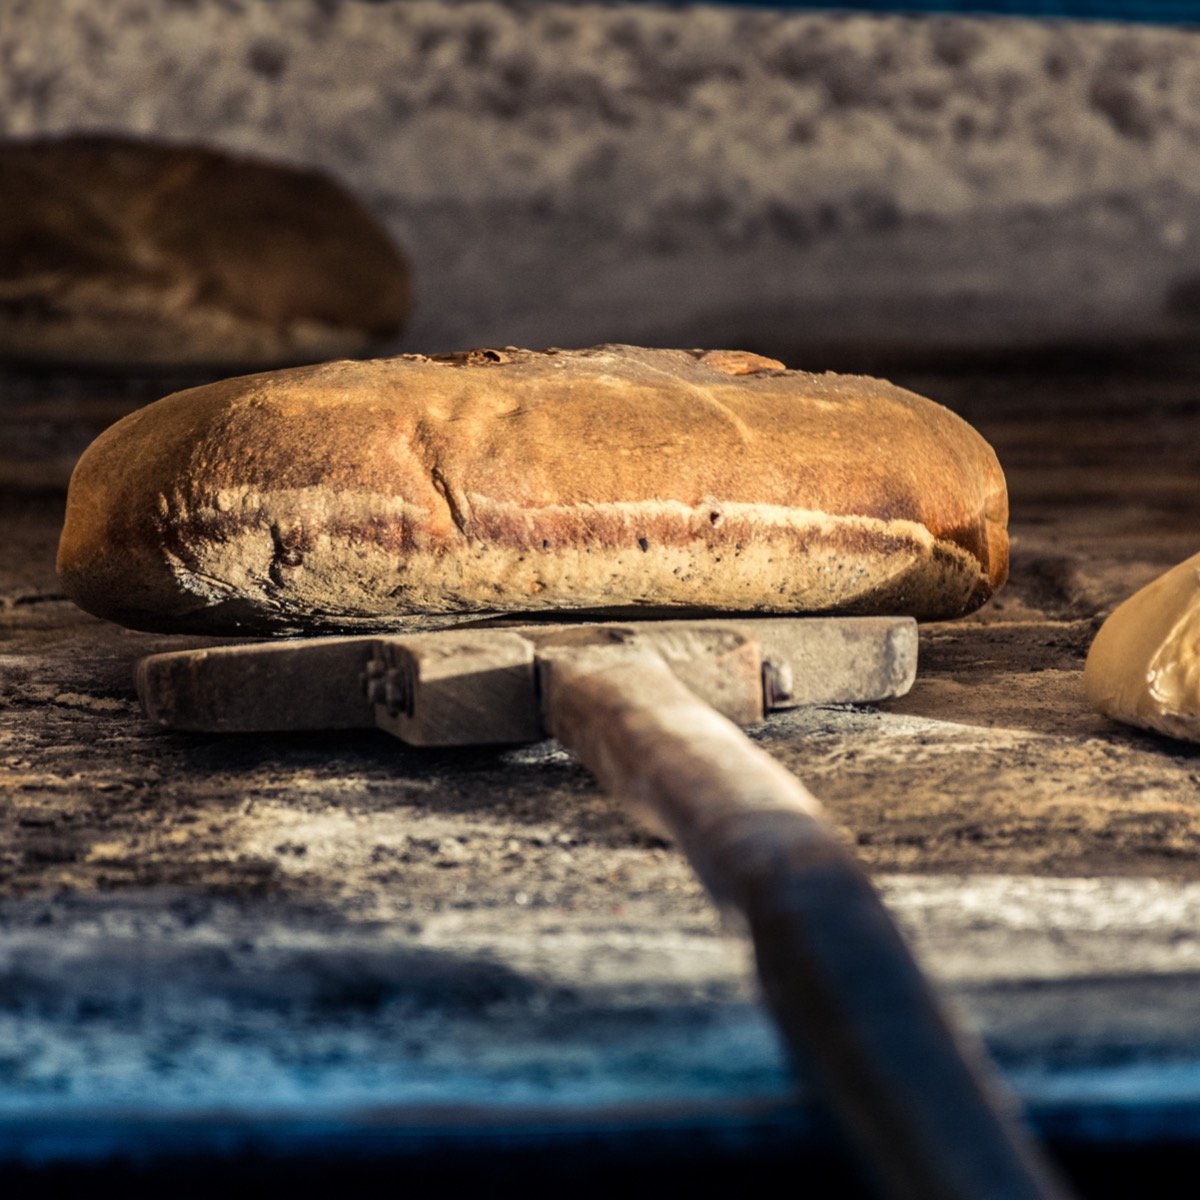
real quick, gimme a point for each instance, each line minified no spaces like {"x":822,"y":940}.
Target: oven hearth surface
{"x":257,"y":947}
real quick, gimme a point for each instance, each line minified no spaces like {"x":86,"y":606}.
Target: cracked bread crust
{"x":120,"y":252}
{"x":361,"y":494}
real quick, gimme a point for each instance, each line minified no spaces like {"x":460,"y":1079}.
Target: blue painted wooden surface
{"x":1155,"y":11}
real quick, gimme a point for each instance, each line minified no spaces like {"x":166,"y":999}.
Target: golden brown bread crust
{"x":115,"y":251}
{"x":359,"y":493}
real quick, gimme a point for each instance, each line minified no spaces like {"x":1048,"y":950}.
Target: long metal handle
{"x":846,"y":992}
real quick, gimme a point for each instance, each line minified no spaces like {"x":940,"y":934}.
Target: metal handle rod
{"x":916,"y":1093}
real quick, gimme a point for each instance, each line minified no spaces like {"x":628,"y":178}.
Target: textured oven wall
{"x":794,"y":182}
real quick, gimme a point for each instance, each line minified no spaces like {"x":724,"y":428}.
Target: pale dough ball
{"x":1144,"y":666}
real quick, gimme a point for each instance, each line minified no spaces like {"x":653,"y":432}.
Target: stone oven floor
{"x":259,"y":940}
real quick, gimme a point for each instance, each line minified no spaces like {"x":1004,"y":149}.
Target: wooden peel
{"x":651,"y":708}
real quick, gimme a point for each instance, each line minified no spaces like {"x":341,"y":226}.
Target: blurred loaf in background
{"x":125,"y":253}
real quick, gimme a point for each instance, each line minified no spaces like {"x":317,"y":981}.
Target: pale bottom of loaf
{"x":268,"y":574}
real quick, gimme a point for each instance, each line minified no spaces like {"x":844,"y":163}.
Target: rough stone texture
{"x":573,"y":174}
{"x":246,"y":922}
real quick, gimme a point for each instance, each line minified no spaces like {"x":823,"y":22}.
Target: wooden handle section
{"x":845,"y":990}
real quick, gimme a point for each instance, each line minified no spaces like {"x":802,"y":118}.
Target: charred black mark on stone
{"x":1183,"y":297}
{"x":268,"y":59}
{"x":1116,"y":98}
{"x":955,"y":43}
{"x":477,"y":44}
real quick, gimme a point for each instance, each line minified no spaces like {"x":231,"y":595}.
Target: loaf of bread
{"x":116,"y":252}
{"x":1144,"y":664}
{"x":356,"y":494}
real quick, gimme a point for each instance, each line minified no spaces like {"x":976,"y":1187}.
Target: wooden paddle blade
{"x":310,"y":683}
{"x":476,"y":685}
